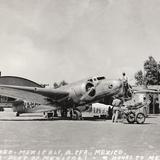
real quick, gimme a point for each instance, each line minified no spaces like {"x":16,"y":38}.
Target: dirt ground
{"x":30,"y":136}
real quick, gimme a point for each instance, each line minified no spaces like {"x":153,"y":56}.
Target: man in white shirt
{"x":116,"y":109}
{"x":146,"y":103}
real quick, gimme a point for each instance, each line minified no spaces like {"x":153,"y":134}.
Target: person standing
{"x":124,"y":78}
{"x":116,"y":109}
{"x":145,"y":106}
{"x":125,"y":83}
{"x":110,"y":112}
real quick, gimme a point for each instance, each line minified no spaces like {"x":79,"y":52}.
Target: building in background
{"x":6,"y":102}
{"x":154,"y":98}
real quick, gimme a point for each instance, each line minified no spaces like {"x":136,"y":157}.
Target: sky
{"x":49,"y":41}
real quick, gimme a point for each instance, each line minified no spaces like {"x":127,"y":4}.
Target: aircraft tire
{"x":140,"y":118}
{"x":17,"y":114}
{"x":76,"y":115}
{"x":55,"y":113}
{"x":131,"y":117}
{"x":64,"y":113}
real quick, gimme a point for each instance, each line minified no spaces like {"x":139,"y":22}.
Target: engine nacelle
{"x":22,"y":106}
{"x":82,"y":93}
{"x":18,"y":106}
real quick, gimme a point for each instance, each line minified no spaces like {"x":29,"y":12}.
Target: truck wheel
{"x":140,"y":118}
{"x":131,"y":117}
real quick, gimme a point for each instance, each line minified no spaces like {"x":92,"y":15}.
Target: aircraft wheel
{"x":17,"y":114}
{"x":76,"y":115}
{"x":131,"y":117}
{"x":55,"y":113}
{"x":64,"y":113}
{"x":50,"y":115}
{"x":140,"y":118}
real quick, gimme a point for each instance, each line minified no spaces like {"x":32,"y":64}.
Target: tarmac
{"x":31,"y":137}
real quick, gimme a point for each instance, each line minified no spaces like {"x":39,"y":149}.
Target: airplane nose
{"x":117,"y":83}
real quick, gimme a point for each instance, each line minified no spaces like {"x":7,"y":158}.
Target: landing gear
{"x":50,"y":115}
{"x":55,"y":113}
{"x":75,"y":115}
{"x":17,"y":114}
{"x":64,"y":113}
{"x":72,"y":113}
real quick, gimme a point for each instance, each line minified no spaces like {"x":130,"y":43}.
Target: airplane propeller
{"x":90,"y":92}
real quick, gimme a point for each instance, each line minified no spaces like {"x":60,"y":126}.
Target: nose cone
{"x":117,"y":84}
{"x":109,"y":88}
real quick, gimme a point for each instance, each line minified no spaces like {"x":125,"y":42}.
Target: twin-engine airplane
{"x":66,"y":98}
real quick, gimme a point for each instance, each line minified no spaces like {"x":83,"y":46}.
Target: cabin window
{"x":110,"y":86}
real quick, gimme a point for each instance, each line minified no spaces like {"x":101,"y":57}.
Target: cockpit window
{"x":101,"y":78}
{"x":90,"y":80}
{"x":96,"y":79}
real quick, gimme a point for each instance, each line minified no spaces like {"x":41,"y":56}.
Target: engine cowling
{"x":83,"y":93}
{"x":90,"y":93}
{"x":18,"y":106}
{"x":22,"y":106}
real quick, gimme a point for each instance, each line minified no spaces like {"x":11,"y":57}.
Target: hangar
{"x":19,"y":81}
{"x":13,"y":80}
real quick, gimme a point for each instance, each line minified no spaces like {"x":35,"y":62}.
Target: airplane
{"x":66,"y":98}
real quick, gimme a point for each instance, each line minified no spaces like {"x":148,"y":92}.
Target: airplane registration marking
{"x":30,"y":105}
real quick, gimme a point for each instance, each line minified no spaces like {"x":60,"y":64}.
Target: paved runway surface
{"x":100,"y":138}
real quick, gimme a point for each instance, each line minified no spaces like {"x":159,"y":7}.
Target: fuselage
{"x":80,"y":93}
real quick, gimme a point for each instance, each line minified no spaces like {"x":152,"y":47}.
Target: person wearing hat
{"x":124,"y":78}
{"x":116,"y":109}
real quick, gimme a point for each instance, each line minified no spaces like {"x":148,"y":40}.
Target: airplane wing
{"x":33,"y":94}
